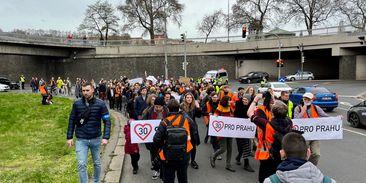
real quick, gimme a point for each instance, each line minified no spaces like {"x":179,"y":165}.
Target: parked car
{"x":356,"y":115}
{"x":322,"y":96}
{"x":216,"y":74}
{"x":277,"y":87}
{"x":253,"y":77}
{"x":305,"y":75}
{"x":4,"y":88}
{"x":13,"y":85}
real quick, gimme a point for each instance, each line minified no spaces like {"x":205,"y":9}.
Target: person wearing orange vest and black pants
{"x":225,"y":142}
{"x":173,"y":141}
{"x":43,"y":91}
{"x":309,"y":110}
{"x":209,"y":109}
{"x":269,"y":118}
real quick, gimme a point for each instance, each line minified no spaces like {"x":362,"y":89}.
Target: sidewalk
{"x":113,"y":155}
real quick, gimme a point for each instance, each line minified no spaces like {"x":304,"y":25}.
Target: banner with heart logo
{"x":231,"y":127}
{"x":143,"y":131}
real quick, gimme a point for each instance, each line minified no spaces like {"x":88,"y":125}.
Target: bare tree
{"x":100,"y":17}
{"x":354,"y":10}
{"x":311,"y":12}
{"x":255,"y":13}
{"x":210,"y":23}
{"x":150,"y":15}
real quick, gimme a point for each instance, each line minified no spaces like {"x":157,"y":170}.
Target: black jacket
{"x":92,"y":128}
{"x":160,"y":135}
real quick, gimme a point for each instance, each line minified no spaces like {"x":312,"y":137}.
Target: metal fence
{"x":53,"y":40}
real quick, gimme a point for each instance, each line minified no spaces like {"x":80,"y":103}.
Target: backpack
{"x":176,"y":140}
{"x":274,"y":179}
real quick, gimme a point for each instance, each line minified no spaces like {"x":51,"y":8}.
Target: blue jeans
{"x":82,"y":149}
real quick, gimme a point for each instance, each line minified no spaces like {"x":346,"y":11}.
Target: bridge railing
{"x":27,"y":38}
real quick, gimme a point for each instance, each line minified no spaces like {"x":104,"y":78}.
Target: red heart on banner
{"x":218,"y":125}
{"x":143,"y":130}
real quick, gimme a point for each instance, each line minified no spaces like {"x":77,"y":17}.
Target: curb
{"x":113,"y":172}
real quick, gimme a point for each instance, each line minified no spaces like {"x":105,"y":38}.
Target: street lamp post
{"x":279,"y":53}
{"x":301,"y":47}
{"x":165,"y":52}
{"x":228,"y":21}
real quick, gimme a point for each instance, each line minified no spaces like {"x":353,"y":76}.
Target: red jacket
{"x":129,"y":148}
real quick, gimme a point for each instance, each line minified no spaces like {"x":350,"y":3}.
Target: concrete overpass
{"x":336,"y":56}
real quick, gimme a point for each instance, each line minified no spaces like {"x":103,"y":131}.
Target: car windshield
{"x":319,"y":90}
{"x":280,"y":85}
{"x":251,"y":74}
{"x":210,"y":74}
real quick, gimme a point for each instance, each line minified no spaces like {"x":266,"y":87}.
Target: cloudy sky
{"x":66,"y":15}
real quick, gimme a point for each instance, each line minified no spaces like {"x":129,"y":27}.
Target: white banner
{"x":143,"y":131}
{"x":231,"y":127}
{"x":320,"y":128}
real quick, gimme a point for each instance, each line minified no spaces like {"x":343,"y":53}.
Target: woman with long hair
{"x":225,"y":142}
{"x":192,"y":109}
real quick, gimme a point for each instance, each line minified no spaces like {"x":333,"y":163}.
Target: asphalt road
{"x":341,"y":159}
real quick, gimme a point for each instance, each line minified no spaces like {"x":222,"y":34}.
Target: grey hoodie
{"x":306,"y":173}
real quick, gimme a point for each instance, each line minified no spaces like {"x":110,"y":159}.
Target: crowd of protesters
{"x":147,"y":99}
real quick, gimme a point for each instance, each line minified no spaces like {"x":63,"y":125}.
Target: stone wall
{"x":110,"y":67}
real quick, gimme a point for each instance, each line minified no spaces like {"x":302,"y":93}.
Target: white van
{"x":212,"y":75}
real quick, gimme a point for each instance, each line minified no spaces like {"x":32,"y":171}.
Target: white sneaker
{"x":219,"y":157}
{"x":155,"y":175}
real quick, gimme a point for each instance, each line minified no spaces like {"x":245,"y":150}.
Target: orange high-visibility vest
{"x":222,"y":94}
{"x":314,"y":113}
{"x":233,"y":100}
{"x":207,"y":118}
{"x":262,"y":152}
{"x":176,"y":123}
{"x":42,"y":89}
{"x":264,"y":143}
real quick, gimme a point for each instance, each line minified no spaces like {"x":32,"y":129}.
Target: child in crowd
{"x":131,"y":149}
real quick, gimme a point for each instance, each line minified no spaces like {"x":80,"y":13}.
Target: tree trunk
{"x":152,"y":37}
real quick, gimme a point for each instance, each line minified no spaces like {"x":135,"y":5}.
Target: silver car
{"x":4,"y":88}
{"x":305,"y":75}
{"x":356,"y":115}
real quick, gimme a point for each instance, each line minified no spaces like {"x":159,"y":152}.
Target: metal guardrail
{"x":27,"y":38}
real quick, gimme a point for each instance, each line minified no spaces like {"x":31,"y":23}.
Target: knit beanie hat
{"x":247,"y":96}
{"x":159,"y":101}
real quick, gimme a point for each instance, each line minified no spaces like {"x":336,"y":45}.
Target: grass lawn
{"x":33,"y":140}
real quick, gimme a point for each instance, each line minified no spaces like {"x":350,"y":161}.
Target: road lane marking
{"x":345,"y":103}
{"x":341,"y":108}
{"x":358,"y":133}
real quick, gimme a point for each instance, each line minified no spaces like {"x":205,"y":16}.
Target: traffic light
{"x":183,"y":37}
{"x":244,"y":32}
{"x":183,"y":66}
{"x":280,"y":62}
{"x":363,"y":41}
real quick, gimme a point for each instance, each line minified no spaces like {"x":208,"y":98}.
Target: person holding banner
{"x":296,"y":167}
{"x":225,"y":142}
{"x":309,"y":110}
{"x":209,"y":109}
{"x":175,"y":156}
{"x":157,"y":111}
{"x":244,"y":145}
{"x":192,"y":109}
{"x":131,"y":149}
{"x":270,"y":118}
